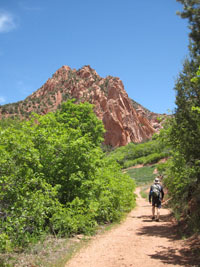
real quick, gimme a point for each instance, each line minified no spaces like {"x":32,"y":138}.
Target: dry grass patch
{"x":47,"y":253}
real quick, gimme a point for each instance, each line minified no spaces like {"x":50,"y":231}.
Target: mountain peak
{"x":122,"y":122}
{"x":86,"y":72}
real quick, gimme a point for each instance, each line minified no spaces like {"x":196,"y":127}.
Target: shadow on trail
{"x":170,"y":256}
{"x":147,"y":218}
{"x":160,"y":230}
{"x":185,"y":256}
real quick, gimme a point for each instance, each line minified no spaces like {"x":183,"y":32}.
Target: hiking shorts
{"x":156,"y":203}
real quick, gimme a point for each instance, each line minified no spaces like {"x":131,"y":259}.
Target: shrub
{"x":55,"y":178}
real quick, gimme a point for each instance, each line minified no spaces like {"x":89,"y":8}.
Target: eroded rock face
{"x":123,"y":123}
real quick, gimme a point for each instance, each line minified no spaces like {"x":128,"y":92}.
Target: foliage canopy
{"x":54,"y":177}
{"x":183,"y":135}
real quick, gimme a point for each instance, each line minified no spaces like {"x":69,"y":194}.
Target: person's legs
{"x":158,"y":214}
{"x":153,"y":212}
{"x":158,"y":206}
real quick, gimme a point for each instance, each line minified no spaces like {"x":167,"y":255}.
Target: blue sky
{"x":144,"y":43}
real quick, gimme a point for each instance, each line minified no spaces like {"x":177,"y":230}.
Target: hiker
{"x":156,"y":195}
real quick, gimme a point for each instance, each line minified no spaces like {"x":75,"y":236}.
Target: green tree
{"x":183,"y":174}
{"x":54,"y":177}
{"x":83,"y":118}
{"x":191,"y":11}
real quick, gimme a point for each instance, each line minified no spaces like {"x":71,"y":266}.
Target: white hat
{"x":156,"y":180}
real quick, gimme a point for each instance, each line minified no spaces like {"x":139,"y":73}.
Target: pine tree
{"x":191,"y":11}
{"x":183,"y":179}
{"x":188,"y":92}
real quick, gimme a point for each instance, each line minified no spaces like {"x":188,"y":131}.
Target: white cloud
{"x":7,"y":22}
{"x":2,"y":100}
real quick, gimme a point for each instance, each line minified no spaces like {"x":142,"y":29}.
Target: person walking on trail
{"x":156,"y":195}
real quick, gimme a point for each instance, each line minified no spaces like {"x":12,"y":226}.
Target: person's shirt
{"x":161,"y":196}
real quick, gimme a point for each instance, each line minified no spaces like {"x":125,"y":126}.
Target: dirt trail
{"x":138,"y":241}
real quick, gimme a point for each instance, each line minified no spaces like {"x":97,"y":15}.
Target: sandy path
{"x":138,"y":241}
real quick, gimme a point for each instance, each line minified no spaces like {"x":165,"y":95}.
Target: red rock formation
{"x":123,"y":123}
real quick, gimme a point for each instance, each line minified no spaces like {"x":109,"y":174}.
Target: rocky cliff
{"x":124,"y":120}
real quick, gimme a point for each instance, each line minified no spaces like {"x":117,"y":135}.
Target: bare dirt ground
{"x":138,"y":241}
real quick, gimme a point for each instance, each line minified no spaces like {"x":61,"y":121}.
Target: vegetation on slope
{"x":182,"y":172}
{"x":144,"y":153}
{"x":143,"y":175}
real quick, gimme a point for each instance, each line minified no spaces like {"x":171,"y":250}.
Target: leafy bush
{"x":55,"y":178}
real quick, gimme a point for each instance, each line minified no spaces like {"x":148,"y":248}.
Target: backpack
{"x":155,"y":190}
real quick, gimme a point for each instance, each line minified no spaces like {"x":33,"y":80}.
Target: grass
{"x":52,"y":252}
{"x":44,"y":253}
{"x":143,"y":193}
{"x":73,"y":248}
{"x":142,"y":175}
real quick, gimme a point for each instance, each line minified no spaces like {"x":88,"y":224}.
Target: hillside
{"x":124,"y":119}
